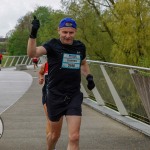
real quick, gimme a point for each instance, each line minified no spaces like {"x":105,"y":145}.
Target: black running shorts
{"x":44,"y":99}
{"x":59,"y":106}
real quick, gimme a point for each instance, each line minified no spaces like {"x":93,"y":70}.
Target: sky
{"x":12,"y":10}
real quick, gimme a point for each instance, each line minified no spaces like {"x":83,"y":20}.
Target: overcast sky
{"x":12,"y":10}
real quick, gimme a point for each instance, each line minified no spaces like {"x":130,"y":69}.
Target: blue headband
{"x":67,"y":22}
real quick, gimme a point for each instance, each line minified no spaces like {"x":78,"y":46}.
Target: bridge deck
{"x":25,"y":127}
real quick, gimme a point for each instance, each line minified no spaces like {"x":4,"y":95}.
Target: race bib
{"x":71,"y":61}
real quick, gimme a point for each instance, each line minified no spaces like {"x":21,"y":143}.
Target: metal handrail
{"x":119,"y":65}
{"x":107,"y":89}
{"x":114,"y":80}
{"x":12,"y":61}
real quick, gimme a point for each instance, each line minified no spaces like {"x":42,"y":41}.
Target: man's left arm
{"x":85,"y":70}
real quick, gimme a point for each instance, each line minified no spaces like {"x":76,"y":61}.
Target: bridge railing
{"x":124,"y":88}
{"x":12,"y":61}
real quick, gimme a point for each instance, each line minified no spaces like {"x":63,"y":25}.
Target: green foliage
{"x":44,"y":15}
{"x":2,"y":47}
{"x":17,"y":43}
{"x":131,"y":30}
{"x":49,"y":28}
{"x":98,"y":43}
{"x":17,"y":39}
{"x":49,"y":19}
{"x":118,"y":33}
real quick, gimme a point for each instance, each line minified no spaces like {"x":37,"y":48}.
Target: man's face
{"x":67,"y":35}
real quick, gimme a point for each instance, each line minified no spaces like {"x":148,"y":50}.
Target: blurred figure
{"x":35,"y":62}
{"x":43,"y":79}
{"x":1,"y":57}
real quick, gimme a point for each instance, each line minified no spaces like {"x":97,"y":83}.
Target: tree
{"x":17,"y":42}
{"x":90,"y":32}
{"x":133,"y":32}
{"x":17,"y":39}
{"x":127,"y":23}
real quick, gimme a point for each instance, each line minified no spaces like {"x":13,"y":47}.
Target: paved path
{"x":25,"y":127}
{"x":13,"y":84}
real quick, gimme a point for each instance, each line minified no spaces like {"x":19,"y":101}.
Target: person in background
{"x":1,"y":57}
{"x":66,"y":61}
{"x":43,"y":79}
{"x":35,"y":62}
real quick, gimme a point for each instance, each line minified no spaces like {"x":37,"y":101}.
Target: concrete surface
{"x":13,"y":84}
{"x":24,"y":124}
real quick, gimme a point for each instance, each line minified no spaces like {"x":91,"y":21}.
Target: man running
{"x":66,"y":61}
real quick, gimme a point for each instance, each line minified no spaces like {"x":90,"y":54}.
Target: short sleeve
{"x":84,"y":52}
{"x":47,"y":46}
{"x":81,"y":46}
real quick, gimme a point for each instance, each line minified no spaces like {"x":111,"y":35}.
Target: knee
{"x":53,"y":137}
{"x":74,"y":137}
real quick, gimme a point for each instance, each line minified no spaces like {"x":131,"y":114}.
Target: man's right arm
{"x":33,"y":51}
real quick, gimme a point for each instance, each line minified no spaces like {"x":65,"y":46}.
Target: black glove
{"x":91,"y":83}
{"x":35,"y":27}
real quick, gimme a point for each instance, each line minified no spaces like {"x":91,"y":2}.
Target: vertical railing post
{"x":12,"y":61}
{"x":30,"y":62}
{"x":26,"y":60}
{"x":23,"y":59}
{"x":17,"y":60}
{"x":98,"y":97}
{"x":114,"y":93}
{"x":85,"y":95}
{"x":6,"y":62}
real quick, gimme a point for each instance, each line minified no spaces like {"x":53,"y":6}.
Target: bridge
{"x":115,"y":114}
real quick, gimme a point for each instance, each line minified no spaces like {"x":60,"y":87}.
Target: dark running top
{"x":64,"y":66}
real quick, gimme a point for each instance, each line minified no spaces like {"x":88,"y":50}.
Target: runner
{"x":66,"y":62}
{"x":43,"y":79}
{"x":1,"y":57}
{"x":35,"y":62}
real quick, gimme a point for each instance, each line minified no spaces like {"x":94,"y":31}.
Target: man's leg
{"x":48,"y":122}
{"x":48,"y":125}
{"x":37,"y":64}
{"x":34,"y":65}
{"x":73,"y":123}
{"x":54,"y":135}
